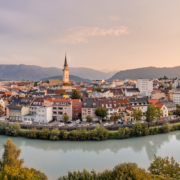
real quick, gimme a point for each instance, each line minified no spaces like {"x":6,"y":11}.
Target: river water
{"x":57,"y":158}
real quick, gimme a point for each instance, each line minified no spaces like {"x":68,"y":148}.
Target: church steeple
{"x":65,"y":62}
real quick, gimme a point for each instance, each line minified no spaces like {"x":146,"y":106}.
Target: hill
{"x":32,"y":72}
{"x":148,"y":72}
{"x":71,"y":77}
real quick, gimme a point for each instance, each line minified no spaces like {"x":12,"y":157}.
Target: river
{"x":56,"y":158}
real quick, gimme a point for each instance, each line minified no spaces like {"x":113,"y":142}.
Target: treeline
{"x":159,"y":169}
{"x":99,"y":133}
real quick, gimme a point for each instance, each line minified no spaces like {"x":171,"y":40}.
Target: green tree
{"x":100,"y":133}
{"x":137,"y":113}
{"x":123,"y":133}
{"x":159,"y":112}
{"x":76,"y":94}
{"x":161,"y":86}
{"x":177,"y":112}
{"x":13,"y":129}
{"x":97,"y":88}
{"x":138,"y":130}
{"x":164,"y":166}
{"x":165,"y":127}
{"x":35,"y":84}
{"x":44,"y":133}
{"x":66,"y":84}
{"x":62,"y":94}
{"x":11,"y":167}
{"x":114,"y":117}
{"x":3,"y":126}
{"x":32,"y":133}
{"x":63,"y":134}
{"x":65,"y":118}
{"x":101,"y":112}
{"x":169,"y":87}
{"x":151,"y":113}
{"x":89,"y":119}
{"x":54,"y":134}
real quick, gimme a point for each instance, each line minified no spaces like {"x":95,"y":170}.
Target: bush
{"x":73,"y":135}
{"x":32,"y":133}
{"x":145,"y":130}
{"x":124,"y":133}
{"x":44,"y":133}
{"x":100,"y":133}
{"x":3,"y":126}
{"x":54,"y":134}
{"x":63,"y":135}
{"x":138,"y":131}
{"x":13,"y":129}
{"x":83,"y":134}
{"x":22,"y":133}
{"x":165,"y":127}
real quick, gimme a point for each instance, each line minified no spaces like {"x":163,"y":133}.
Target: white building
{"x":39,"y":114}
{"x":98,"y":81}
{"x":145,"y":86}
{"x":101,"y":94}
{"x":176,"y":97}
{"x":176,"y":83}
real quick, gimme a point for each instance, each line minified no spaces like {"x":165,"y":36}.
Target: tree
{"x":177,"y":112}
{"x":76,"y":94}
{"x":159,"y":112}
{"x":97,"y":88}
{"x":137,"y":113}
{"x":35,"y":84}
{"x":169,"y":87}
{"x":1,"y":110}
{"x":165,"y":127}
{"x":89,"y":119}
{"x":13,"y":129}
{"x":54,"y":134}
{"x":101,"y":112}
{"x":44,"y":133}
{"x":11,"y":167}
{"x":114,"y":117}
{"x":169,"y":168}
{"x":62,"y":94}
{"x":66,"y":84}
{"x":161,"y":86}
{"x":150,"y":113}
{"x":65,"y":118}
{"x":32,"y":133}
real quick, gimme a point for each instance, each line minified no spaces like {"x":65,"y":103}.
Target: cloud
{"x":80,"y":34}
{"x":113,"y":18}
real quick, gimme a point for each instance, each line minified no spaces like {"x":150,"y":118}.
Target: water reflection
{"x":150,"y":143}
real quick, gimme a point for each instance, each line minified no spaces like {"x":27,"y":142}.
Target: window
{"x":65,"y":108}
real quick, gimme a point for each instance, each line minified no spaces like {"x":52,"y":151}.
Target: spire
{"x":65,"y":62}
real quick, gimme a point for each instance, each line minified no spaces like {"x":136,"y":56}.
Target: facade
{"x":60,"y":107}
{"x":131,"y":92}
{"x":65,"y":72}
{"x":76,"y":108}
{"x":157,"y":95}
{"x":89,"y":106}
{"x":101,"y":94}
{"x":16,"y":112}
{"x":38,"y":114}
{"x":176,"y":97}
{"x":145,"y":86}
{"x":164,"y":109}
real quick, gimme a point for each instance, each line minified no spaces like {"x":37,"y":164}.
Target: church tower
{"x":65,"y":72}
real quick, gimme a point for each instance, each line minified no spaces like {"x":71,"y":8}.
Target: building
{"x":158,"y":94}
{"x":176,"y":97}
{"x":76,"y":108}
{"x":102,"y":93}
{"x":145,"y":86}
{"x":16,"y":112}
{"x":131,"y":92}
{"x":65,"y":72}
{"x":163,"y":108}
{"x":89,"y":106}
{"x":60,"y":107}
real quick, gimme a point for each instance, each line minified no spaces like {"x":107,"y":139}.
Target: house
{"x":89,"y":90}
{"x":142,"y":103}
{"x":131,"y":91}
{"x":16,"y":112}
{"x":163,"y":108}
{"x":89,"y":106}
{"x":76,"y":108}
{"x":169,"y":104}
{"x":117,"y":93}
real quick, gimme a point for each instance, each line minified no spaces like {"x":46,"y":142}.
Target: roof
{"x":132,"y":90}
{"x":139,"y":100}
{"x":59,"y":100}
{"x":15,"y":107}
{"x":59,"y":91}
{"x":158,"y":104}
{"x":130,"y":108}
{"x":15,"y":100}
{"x":88,"y":88}
{"x":50,"y":91}
{"x":90,"y":103}
{"x":65,"y":62}
{"x":153,"y":101}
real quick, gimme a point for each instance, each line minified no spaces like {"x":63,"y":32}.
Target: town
{"x":62,"y":102}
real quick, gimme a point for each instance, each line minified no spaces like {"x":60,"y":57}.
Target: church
{"x":65,"y":72}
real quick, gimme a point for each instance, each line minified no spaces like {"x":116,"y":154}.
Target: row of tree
{"x":99,"y":133}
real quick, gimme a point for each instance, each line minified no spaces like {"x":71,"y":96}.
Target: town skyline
{"x":141,"y":33}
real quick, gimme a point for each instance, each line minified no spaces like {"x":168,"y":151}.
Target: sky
{"x":107,"y":35}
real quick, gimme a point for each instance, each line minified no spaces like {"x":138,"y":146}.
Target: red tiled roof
{"x":161,"y":105}
{"x":153,"y":101}
{"x":130,"y":108}
{"x":59,"y":91}
{"x":59,"y":100}
{"x":89,"y":88}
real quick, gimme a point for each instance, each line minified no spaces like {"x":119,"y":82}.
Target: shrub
{"x":32,"y":133}
{"x":100,"y":133}
{"x":13,"y":129}
{"x":73,"y":135}
{"x":138,"y":131}
{"x":63,"y":135}
{"x":145,"y":130}
{"x":54,"y":134}
{"x":165,"y":127}
{"x":3,"y":126}
{"x":83,"y":134}
{"x":22,"y":133}
{"x":44,"y":133}
{"x":123,"y":133}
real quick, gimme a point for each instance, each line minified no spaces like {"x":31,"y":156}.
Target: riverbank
{"x":97,"y":134}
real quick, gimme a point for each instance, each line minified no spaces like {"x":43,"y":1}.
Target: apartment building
{"x":145,"y":86}
{"x":176,"y":97}
{"x":89,"y":106}
{"x":76,"y":108}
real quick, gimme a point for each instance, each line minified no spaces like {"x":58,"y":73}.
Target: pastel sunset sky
{"x":105,"y":35}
